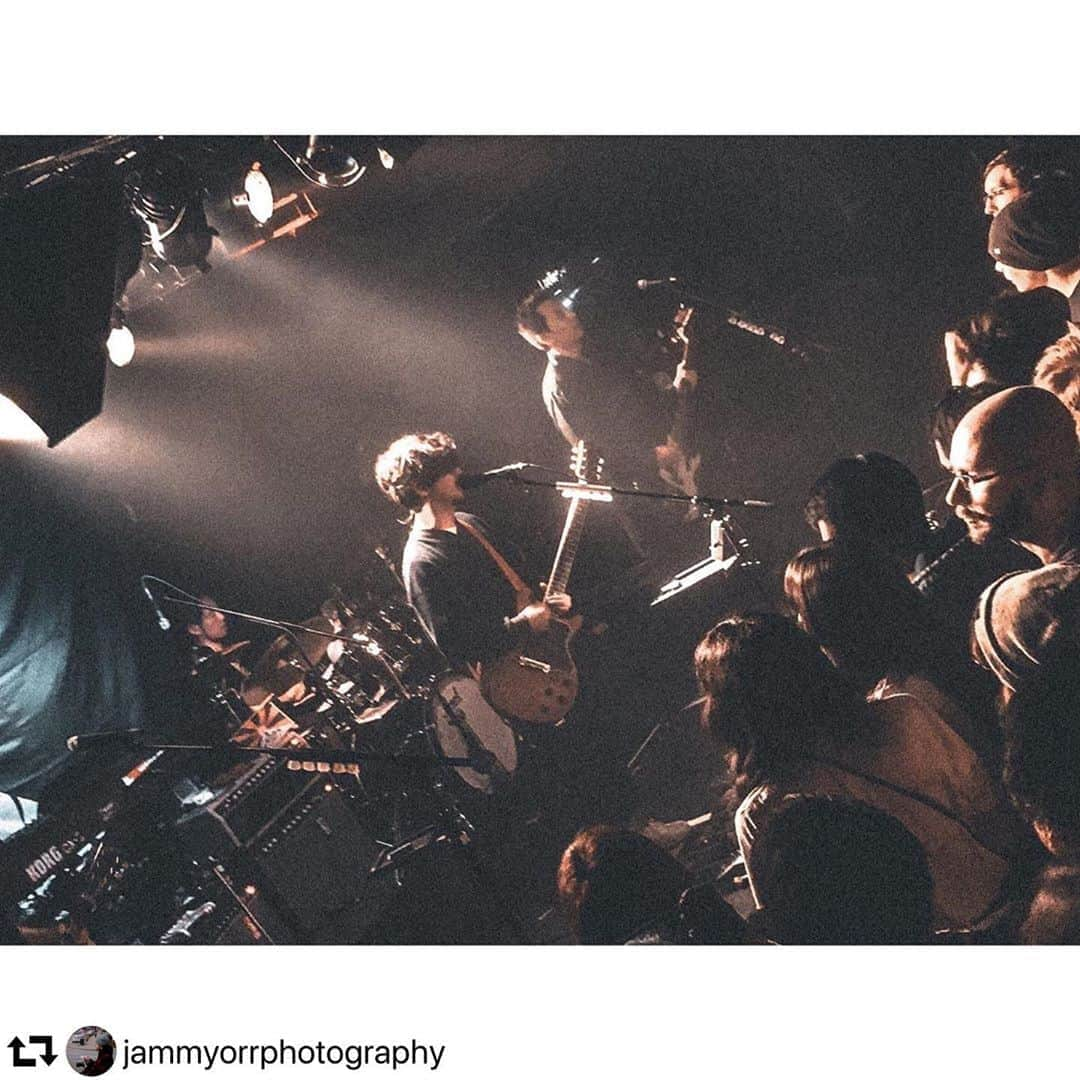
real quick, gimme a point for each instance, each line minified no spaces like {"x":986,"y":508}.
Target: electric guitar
{"x":538,"y":681}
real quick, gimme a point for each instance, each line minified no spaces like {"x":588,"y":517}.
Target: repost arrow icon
{"x":17,"y":1059}
{"x":46,"y":1040}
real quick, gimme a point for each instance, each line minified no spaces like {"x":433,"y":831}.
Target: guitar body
{"x":537,"y":682}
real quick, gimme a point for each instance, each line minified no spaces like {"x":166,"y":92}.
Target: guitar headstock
{"x":681,"y":321}
{"x":586,"y":466}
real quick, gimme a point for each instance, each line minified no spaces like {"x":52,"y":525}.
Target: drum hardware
{"x":372,"y":676}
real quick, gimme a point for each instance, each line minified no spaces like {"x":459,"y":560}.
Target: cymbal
{"x":282,"y":665}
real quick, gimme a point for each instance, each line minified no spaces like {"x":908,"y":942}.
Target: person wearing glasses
{"x":1015,"y":462}
{"x":1017,"y":171}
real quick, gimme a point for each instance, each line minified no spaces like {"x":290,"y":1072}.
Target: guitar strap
{"x":508,"y":571}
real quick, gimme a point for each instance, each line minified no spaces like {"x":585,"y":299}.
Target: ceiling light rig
{"x":259,"y":202}
{"x":324,"y":164}
{"x":168,"y":200}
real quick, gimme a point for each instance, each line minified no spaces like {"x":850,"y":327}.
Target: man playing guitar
{"x":473,"y":608}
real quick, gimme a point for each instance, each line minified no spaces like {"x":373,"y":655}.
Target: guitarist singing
{"x":450,"y":564}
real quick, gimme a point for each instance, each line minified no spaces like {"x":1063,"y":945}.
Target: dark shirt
{"x":460,"y":593}
{"x":622,"y":412}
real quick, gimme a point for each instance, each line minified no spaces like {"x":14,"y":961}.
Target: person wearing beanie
{"x":1015,"y":462}
{"x":1035,"y":242}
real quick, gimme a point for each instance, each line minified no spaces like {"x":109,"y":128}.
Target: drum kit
{"x":364,"y":673}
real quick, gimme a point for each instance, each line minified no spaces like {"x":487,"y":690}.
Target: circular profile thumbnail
{"x":91,"y":1051}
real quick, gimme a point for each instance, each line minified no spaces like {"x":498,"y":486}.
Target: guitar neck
{"x":568,"y":545}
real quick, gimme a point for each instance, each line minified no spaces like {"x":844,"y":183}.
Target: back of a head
{"x":858,"y":605}
{"x":1009,"y":335}
{"x":1042,"y":748}
{"x":1024,"y":620}
{"x":952,"y":408}
{"x":1058,"y":371}
{"x":615,"y":884}
{"x":871,"y":498}
{"x":834,"y":871}
{"x":1054,"y":917}
{"x":1039,"y":231}
{"x":769,"y":693}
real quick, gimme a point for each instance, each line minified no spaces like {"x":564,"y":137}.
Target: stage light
{"x":120,"y":343}
{"x":16,"y":425}
{"x":168,"y":201}
{"x":57,"y":281}
{"x":258,"y":195}
{"x":324,"y":164}
{"x":386,"y":158}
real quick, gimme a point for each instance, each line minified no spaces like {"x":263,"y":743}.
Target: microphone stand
{"x":451,"y":824}
{"x":729,"y":547}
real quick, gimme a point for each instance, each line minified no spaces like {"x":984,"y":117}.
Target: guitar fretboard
{"x":568,"y":545}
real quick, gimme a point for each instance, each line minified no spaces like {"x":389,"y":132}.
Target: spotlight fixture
{"x":169,"y":202}
{"x":120,"y":344}
{"x":258,"y":203}
{"x":257,"y":194}
{"x":57,"y":283}
{"x":324,"y":164}
{"x":16,"y":424}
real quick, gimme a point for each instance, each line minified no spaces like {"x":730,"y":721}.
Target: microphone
{"x":103,"y":738}
{"x":162,"y":619}
{"x":473,"y":480}
{"x":651,"y":283}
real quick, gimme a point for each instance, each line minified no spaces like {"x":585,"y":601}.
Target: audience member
{"x":1004,"y":181}
{"x":871,"y":498}
{"x":1002,"y":342}
{"x":619,"y":888}
{"x":792,"y":725}
{"x":879,"y":631}
{"x":835,"y":871}
{"x":1035,"y":242}
{"x":1054,"y":918}
{"x":1017,"y":171}
{"x":1022,"y":618}
{"x":1058,"y":371}
{"x":1042,"y":751}
{"x":946,"y":415}
{"x":1016,"y":472}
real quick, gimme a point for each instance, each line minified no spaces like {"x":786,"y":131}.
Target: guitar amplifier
{"x":295,"y":840}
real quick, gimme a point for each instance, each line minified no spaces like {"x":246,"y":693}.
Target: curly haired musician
{"x":449,"y":565}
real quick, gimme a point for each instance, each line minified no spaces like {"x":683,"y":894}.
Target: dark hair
{"x":858,"y":605}
{"x":1042,"y":746}
{"x":194,"y":615}
{"x":770,"y":695}
{"x":599,"y":291}
{"x":1029,"y":164}
{"x":871,"y":497}
{"x":1054,"y":918}
{"x":413,"y":462}
{"x":616,"y":885}
{"x":834,"y":871}
{"x":1009,"y":335}
{"x":954,"y":406}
